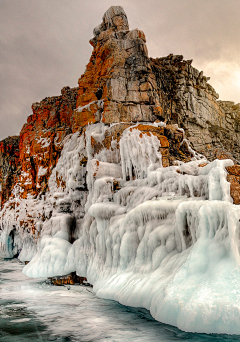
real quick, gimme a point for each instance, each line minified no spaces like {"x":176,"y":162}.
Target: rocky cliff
{"x":27,"y":160}
{"x":122,"y":90}
{"x":131,"y":182}
{"x":211,"y":126}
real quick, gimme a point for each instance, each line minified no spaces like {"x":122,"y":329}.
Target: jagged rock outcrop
{"x":27,"y":160}
{"x":134,"y":87}
{"x":122,"y":92}
{"x":189,"y":100}
{"x":41,"y":139}
{"x":118,"y":85}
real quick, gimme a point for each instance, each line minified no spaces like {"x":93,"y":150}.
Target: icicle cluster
{"x":167,"y":239}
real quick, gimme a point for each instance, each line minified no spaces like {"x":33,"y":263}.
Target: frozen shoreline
{"x":32,"y":310}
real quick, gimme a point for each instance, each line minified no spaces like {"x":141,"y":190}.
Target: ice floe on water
{"x":164,"y":239}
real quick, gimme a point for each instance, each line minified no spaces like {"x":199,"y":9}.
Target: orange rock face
{"x":233,"y":178}
{"x":41,"y":140}
{"x":27,"y":160}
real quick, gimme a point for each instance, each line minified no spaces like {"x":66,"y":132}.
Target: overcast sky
{"x":44,"y":45}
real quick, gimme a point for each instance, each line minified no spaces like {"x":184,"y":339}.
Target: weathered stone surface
{"x":233,"y":178}
{"x":234,"y":170}
{"x":135,"y":88}
{"x":187,"y":99}
{"x":119,"y":73}
{"x":71,"y":279}
{"x":9,"y":165}
{"x":234,"y":188}
{"x":41,"y":140}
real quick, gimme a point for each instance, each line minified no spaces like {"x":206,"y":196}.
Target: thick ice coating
{"x":166,"y":239}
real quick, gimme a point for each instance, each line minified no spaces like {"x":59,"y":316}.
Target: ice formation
{"x":167,"y":239}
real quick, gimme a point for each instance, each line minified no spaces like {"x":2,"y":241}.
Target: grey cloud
{"x":44,"y":44}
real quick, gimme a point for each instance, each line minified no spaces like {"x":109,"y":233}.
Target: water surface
{"x":34,"y":310}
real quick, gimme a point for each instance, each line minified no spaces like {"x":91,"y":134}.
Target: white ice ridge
{"x":167,"y":239}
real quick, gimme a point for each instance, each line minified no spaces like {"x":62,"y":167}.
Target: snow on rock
{"x":167,"y":239}
{"x":163,"y":238}
{"x":44,"y":142}
{"x":42,"y":171}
